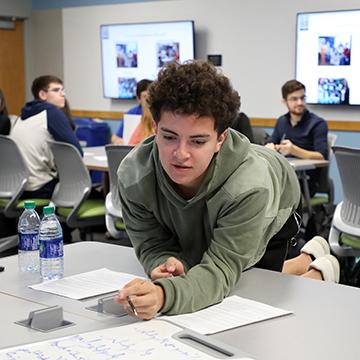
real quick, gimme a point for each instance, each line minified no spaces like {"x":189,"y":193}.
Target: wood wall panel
{"x":332,"y":124}
{"x":259,"y":122}
{"x":12,"y":70}
{"x":108,"y":115}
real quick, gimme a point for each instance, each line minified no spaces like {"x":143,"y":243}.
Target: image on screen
{"x":126,"y":55}
{"x":167,"y":52}
{"x":132,"y":52}
{"x":333,"y":91}
{"x":126,"y":88}
{"x":334,"y":50}
{"x":327,"y":53}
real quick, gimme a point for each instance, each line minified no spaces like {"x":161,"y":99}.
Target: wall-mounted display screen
{"x":328,"y":56}
{"x":131,"y":52}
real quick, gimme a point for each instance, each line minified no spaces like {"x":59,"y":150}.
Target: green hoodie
{"x":247,"y":195}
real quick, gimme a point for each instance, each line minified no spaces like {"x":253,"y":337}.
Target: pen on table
{"x":132,"y":306}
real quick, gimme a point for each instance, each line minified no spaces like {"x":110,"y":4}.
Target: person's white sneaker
{"x":329,"y":267}
{"x":317,"y":247}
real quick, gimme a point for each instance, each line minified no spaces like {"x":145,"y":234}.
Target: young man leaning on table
{"x":200,"y":203}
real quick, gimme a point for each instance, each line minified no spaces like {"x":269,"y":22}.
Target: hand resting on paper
{"x":271,"y":146}
{"x":146,"y":297}
{"x":172,"y":267}
{"x":285,"y":147}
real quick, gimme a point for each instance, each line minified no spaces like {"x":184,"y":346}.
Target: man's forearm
{"x":306,"y":154}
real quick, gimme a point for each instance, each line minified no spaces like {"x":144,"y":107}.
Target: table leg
{"x":304,"y":178}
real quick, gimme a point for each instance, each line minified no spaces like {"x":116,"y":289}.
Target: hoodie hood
{"x":34,"y":107}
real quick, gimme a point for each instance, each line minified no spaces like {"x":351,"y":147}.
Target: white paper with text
{"x":87,"y":284}
{"x":232,"y":312}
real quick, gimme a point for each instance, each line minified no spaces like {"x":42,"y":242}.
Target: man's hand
{"x":285,"y":147}
{"x":172,"y":267}
{"x":271,"y":146}
{"x":146,"y":297}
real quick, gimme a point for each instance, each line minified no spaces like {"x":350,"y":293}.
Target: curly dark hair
{"x":194,"y":87}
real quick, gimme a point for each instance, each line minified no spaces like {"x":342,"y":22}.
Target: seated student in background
{"x":5,"y":124}
{"x":141,"y":93}
{"x":300,"y":133}
{"x":205,"y":204}
{"x":42,"y":119}
{"x":145,"y":127}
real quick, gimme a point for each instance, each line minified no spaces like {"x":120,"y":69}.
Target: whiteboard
{"x":142,"y":340}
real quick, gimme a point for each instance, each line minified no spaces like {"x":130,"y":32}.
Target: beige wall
{"x":44,"y":46}
{"x":255,"y":37}
{"x":16,"y":8}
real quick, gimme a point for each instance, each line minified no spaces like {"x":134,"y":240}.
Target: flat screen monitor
{"x":131,"y":52}
{"x":328,"y":56}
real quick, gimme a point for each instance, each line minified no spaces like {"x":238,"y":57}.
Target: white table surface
{"x":95,"y":159}
{"x":323,"y":326}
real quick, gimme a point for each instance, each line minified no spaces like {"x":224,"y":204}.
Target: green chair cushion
{"x":3,"y":202}
{"x":319,"y":200}
{"x":38,"y":202}
{"x":90,"y":208}
{"x":315,"y":200}
{"x":350,"y":240}
{"x":20,"y":204}
{"x":119,"y":224}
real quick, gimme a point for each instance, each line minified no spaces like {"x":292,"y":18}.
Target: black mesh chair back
{"x":115,"y":154}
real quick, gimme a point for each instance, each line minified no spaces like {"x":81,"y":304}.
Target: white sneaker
{"x":317,"y":247}
{"x":329,"y":267}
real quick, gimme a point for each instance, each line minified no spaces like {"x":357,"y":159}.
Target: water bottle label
{"x":28,"y":242}
{"x":51,"y":248}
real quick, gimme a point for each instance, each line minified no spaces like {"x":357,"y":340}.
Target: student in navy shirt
{"x":141,"y":94}
{"x":300,"y":133}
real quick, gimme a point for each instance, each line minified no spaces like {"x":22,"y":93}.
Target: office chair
{"x":322,"y":203}
{"x":113,"y":218}
{"x":259,"y":136}
{"x":13,"y":179}
{"x":344,"y":237}
{"x":325,"y":194}
{"x":13,"y":176}
{"x":241,"y":123}
{"x":71,"y":193}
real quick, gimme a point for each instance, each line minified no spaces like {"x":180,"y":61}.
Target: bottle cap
{"x":47,"y":210}
{"x":29,"y":204}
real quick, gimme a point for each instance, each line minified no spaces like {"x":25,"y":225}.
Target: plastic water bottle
{"x":51,"y":246}
{"x":28,"y":230}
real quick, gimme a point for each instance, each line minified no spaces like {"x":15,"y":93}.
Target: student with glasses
{"x":300,"y":133}
{"x":43,"y":119}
